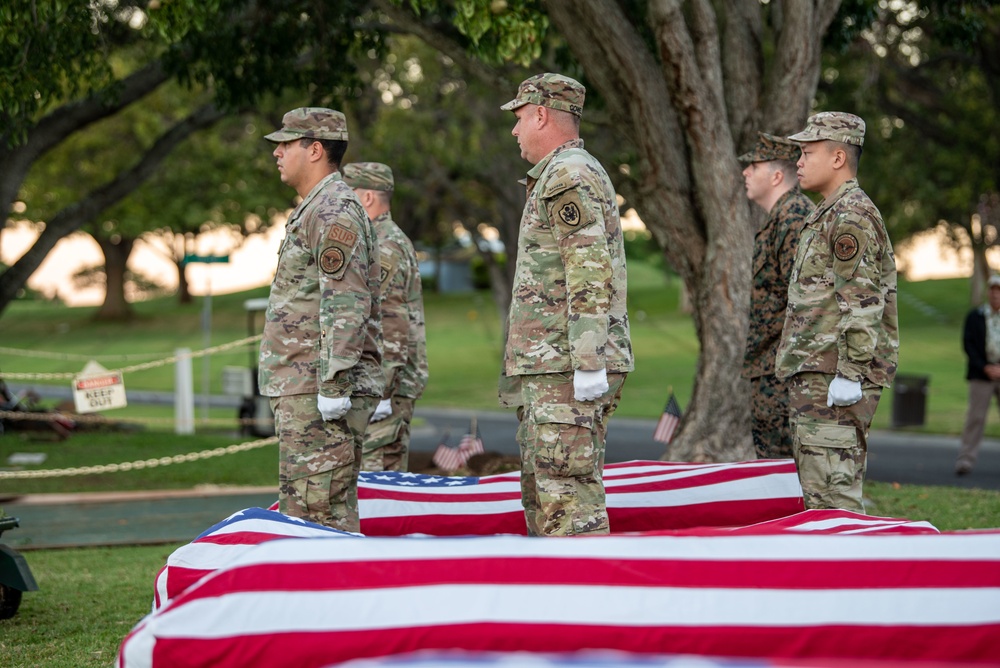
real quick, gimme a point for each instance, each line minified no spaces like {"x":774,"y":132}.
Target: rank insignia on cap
{"x":845,"y":247}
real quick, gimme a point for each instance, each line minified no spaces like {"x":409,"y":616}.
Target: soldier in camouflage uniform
{"x":840,"y":341}
{"x":404,"y":359}
{"x":321,"y":353}
{"x":568,"y":349}
{"x":769,"y":177}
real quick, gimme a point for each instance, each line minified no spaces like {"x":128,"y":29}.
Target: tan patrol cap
{"x":770,"y":147}
{"x":369,"y":176}
{"x":311,"y":123}
{"x":550,"y":90}
{"x":835,"y":126}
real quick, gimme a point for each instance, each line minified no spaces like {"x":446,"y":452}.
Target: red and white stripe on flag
{"x":448,"y":458}
{"x":641,"y":496}
{"x":668,"y":422}
{"x":471,"y":445}
{"x":841,"y":598}
{"x":225,"y":542}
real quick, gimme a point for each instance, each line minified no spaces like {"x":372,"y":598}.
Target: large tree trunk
{"x":116,"y":306}
{"x":688,"y":108}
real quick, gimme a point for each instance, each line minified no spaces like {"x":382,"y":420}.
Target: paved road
{"x":179,"y":516}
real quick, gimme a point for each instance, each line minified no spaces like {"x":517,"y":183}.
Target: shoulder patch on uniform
{"x":332,"y":260}
{"x":845,"y":247}
{"x":385,"y":272}
{"x":569,"y":214}
{"x":342,"y":235}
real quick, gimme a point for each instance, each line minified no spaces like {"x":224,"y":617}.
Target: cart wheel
{"x":10,"y":601}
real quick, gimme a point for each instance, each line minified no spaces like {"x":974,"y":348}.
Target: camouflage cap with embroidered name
{"x":550,"y":90}
{"x":770,"y":147}
{"x":311,"y":123}
{"x":835,"y":126}
{"x":369,"y":175}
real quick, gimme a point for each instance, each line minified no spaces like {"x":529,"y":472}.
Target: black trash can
{"x":909,"y":401}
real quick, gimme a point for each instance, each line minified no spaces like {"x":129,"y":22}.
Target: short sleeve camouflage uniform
{"x":322,"y":335}
{"x":841,"y":320}
{"x":405,"y":348}
{"x":774,"y":255}
{"x":567,"y":313}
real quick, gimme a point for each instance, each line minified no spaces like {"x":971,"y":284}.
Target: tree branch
{"x":85,"y":210}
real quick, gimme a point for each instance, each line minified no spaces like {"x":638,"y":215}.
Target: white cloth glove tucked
{"x":382,"y":411}
{"x":843,"y":392}
{"x":332,"y":409}
{"x":589,"y":385}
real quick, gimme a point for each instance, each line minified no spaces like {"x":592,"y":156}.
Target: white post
{"x":183,"y":393}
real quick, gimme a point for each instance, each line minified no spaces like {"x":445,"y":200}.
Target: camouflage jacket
{"x":841,"y":316}
{"x":568,"y":300}
{"x":404,"y":358}
{"x":773,"y":258}
{"x":323,"y":329}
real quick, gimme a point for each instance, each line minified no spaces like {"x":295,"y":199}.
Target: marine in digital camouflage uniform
{"x":404,"y":359}
{"x":770,"y":182}
{"x":840,"y":340}
{"x":322,"y":340}
{"x":567,"y":331}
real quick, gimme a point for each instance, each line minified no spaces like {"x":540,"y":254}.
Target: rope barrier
{"x":100,"y":419}
{"x":137,"y":367}
{"x":72,"y":357}
{"x":139,"y":464}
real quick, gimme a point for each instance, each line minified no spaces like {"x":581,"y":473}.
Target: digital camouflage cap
{"x":311,"y":123}
{"x":369,"y":175}
{"x":770,"y":147}
{"x":835,"y":126}
{"x":550,"y":90}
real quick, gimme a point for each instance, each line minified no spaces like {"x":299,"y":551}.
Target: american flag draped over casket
{"x":809,"y":587}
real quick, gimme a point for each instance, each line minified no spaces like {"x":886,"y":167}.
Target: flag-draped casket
{"x":789,"y":594}
{"x":776,"y":586}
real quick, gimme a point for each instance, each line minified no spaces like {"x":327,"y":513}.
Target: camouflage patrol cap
{"x":550,"y":90}
{"x":835,"y":126}
{"x":769,"y":147}
{"x":311,"y":123}
{"x":368,"y":175}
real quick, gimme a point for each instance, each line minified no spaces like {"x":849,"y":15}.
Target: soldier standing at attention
{"x":568,"y":348}
{"x":321,"y":353}
{"x":404,"y":358}
{"x":769,"y":177}
{"x":840,"y":341}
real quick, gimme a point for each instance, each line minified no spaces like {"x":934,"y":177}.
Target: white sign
{"x":97,"y":389}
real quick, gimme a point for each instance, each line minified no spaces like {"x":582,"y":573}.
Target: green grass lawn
{"x":464,"y":346}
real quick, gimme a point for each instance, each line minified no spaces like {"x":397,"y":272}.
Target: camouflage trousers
{"x":562,"y":453}
{"x":772,"y":434}
{"x":319,"y":460}
{"x":387,"y":442}
{"x":830,"y":443}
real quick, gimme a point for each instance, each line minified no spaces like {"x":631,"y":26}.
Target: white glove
{"x":589,"y":385}
{"x":382,"y":411}
{"x":332,"y":409}
{"x":843,"y":392}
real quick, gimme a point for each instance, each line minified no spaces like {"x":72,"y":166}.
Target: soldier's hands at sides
{"x":589,"y":385}
{"x":333,"y":409}
{"x":843,"y":392}
{"x":382,"y":411}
